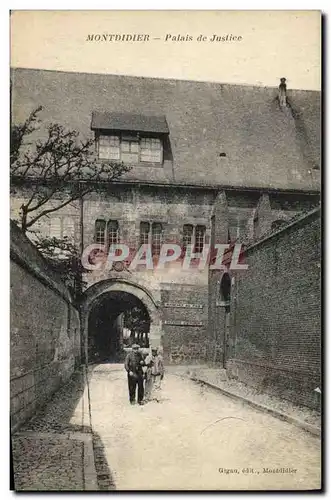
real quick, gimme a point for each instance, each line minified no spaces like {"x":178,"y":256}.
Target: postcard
{"x":165,"y":248}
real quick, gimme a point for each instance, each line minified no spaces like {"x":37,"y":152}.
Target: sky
{"x":273,"y":44}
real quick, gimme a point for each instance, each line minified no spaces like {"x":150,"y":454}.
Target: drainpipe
{"x":282,"y":98}
{"x":226,"y":334}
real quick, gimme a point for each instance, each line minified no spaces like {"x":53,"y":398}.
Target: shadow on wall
{"x":66,"y":412}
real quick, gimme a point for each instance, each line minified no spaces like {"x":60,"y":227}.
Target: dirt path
{"x":193,"y":437}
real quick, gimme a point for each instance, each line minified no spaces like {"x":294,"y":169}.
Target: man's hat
{"x":136,"y":346}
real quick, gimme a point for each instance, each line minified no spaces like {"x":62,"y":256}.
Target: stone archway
{"x":93,"y":294}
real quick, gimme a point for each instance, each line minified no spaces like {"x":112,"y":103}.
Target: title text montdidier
{"x":135,"y":37}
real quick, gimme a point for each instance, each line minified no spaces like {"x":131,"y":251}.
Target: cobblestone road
{"x":47,"y":464}
{"x":193,"y":437}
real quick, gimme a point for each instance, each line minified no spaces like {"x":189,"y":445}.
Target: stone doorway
{"x":103,"y":314}
{"x":116,"y":321}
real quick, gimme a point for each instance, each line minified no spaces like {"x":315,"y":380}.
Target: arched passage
{"x":103,"y":309}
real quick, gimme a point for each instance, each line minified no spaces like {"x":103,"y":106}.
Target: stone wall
{"x":45,"y":330}
{"x":184,"y":322}
{"x":275,"y":329}
{"x":132,"y":205}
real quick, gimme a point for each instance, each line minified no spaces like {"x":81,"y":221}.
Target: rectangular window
{"x":112,"y":229}
{"x":99,"y":234}
{"x":144,"y":232}
{"x":187,"y":235}
{"x":109,"y":147}
{"x":199,"y":239}
{"x":156,"y":238}
{"x":150,"y":150}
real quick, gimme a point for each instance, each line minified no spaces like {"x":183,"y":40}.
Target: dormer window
{"x":129,"y":138}
{"x":130,"y":149}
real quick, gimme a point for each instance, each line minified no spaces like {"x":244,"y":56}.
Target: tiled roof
{"x":219,"y":134}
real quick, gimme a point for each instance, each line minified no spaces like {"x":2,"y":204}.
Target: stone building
{"x":211,"y":163}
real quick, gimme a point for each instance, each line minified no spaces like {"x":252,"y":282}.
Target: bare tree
{"x":58,"y":169}
{"x":55,"y":171}
{"x":64,"y":258}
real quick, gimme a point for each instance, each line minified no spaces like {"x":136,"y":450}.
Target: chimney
{"x":282,"y":93}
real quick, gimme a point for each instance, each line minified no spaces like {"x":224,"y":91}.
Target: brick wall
{"x":275,"y":337}
{"x":45,"y":330}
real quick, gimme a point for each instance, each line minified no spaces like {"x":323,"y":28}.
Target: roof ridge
{"x":128,"y":113}
{"x":211,"y":82}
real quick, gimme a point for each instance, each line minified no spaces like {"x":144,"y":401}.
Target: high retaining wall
{"x":275,"y":328}
{"x":45,"y":330}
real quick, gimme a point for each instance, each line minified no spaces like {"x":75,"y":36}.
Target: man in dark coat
{"x":134,"y":363}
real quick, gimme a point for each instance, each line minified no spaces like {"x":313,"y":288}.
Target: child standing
{"x":154,"y":374}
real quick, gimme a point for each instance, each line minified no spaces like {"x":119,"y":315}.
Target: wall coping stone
{"x":304,"y":219}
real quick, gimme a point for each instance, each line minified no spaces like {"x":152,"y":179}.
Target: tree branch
{"x":50,"y":210}
{"x":60,"y":166}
